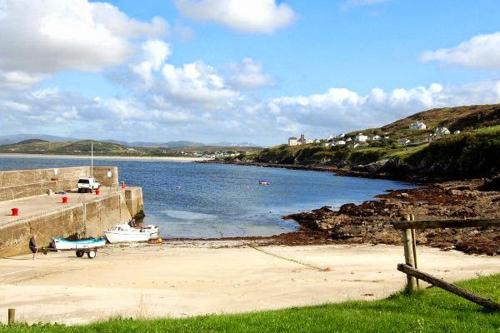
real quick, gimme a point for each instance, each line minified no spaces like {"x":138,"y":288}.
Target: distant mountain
{"x":17,"y":138}
{"x":14,"y":138}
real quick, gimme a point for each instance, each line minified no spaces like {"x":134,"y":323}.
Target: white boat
{"x":122,"y":233}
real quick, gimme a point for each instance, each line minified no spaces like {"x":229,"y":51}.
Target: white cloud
{"x":155,"y":52}
{"x":45,"y":36}
{"x":341,"y":109}
{"x":482,"y":51}
{"x":248,"y":75}
{"x":160,"y":117}
{"x":197,"y":83}
{"x":256,"y":16}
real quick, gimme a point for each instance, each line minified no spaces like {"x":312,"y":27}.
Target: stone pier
{"x":38,"y":196}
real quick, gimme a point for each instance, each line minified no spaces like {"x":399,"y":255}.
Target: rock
{"x":492,"y":184}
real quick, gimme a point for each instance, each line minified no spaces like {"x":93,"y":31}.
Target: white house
{"x":341,"y":136}
{"x":418,"y":125}
{"x":361,"y":137}
{"x":340,"y":143}
{"x":348,"y":140}
{"x":441,"y":131}
{"x":404,"y":141}
{"x":292,"y":141}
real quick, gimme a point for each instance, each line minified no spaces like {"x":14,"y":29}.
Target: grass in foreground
{"x":432,"y":310}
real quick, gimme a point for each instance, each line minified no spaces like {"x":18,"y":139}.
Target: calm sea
{"x":212,"y":200}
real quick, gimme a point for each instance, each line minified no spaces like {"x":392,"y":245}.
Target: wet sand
{"x":186,"y":278}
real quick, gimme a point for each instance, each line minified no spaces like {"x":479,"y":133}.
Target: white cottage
{"x":418,"y":125}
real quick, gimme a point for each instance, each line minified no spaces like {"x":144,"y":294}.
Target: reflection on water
{"x":212,"y":200}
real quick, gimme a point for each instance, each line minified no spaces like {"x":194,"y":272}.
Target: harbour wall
{"x":84,"y":216}
{"x":16,"y":184}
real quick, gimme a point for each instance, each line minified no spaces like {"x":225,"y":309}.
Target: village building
{"x":302,"y":140}
{"x":441,"y":131}
{"x":361,"y":137}
{"x":418,"y":125}
{"x":292,"y":141}
{"x":340,"y":143}
{"x":404,"y":142}
{"x":376,"y":138}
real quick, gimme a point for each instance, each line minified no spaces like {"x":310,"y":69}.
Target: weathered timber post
{"x":411,"y":284}
{"x":414,"y":243}
{"x":11,"y":316}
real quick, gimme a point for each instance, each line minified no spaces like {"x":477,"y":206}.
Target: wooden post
{"x":411,"y":284}
{"x":487,"y":303}
{"x":11,"y":316}
{"x":414,"y":245}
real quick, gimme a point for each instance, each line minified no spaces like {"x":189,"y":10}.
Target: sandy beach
{"x":186,"y":278}
{"x":121,"y":158}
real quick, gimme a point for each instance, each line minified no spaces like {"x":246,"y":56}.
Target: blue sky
{"x":263,"y":69}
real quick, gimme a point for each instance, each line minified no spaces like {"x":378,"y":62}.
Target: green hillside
{"x":471,"y":153}
{"x":82,"y":147}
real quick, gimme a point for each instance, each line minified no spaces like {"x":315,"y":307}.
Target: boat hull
{"x":121,"y":237}
{"x":63,"y":244}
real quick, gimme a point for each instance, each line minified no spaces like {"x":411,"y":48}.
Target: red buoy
{"x":65,"y":200}
{"x":15,"y":211}
{"x":97,"y":191}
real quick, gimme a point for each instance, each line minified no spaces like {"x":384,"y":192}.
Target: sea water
{"x":220,"y":200}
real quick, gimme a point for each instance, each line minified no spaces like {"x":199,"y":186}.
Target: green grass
{"x":432,"y":310}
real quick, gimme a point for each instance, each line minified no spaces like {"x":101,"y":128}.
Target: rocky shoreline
{"x":370,"y":221}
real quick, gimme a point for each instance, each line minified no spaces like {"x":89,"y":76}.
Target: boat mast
{"x":91,"y":160}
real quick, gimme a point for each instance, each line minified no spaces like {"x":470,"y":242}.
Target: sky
{"x":254,"y":71}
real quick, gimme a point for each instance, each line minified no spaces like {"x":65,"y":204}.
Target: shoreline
{"x":182,"y":280}
{"x":342,"y":172}
{"x":109,"y":157}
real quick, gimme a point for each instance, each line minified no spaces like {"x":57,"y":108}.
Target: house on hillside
{"x":404,"y":142}
{"x":418,"y":125}
{"x":292,"y":141}
{"x":361,"y":137}
{"x":302,"y":140}
{"x":376,"y":138}
{"x":441,"y":131}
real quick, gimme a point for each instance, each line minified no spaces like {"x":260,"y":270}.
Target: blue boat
{"x":88,"y":243}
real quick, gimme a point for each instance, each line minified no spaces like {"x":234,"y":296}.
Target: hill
{"x":82,"y":147}
{"x":471,"y":153}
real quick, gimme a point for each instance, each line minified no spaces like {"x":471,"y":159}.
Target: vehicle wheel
{"x":79,"y":253}
{"x":92,"y":254}
{"x":79,"y":190}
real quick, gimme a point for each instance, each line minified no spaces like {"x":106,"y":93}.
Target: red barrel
{"x":65,"y":200}
{"x":15,"y":211}
{"x":97,"y":191}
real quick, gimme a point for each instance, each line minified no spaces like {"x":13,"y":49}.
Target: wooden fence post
{"x":411,"y":284}
{"x":414,"y":243}
{"x":11,"y":316}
